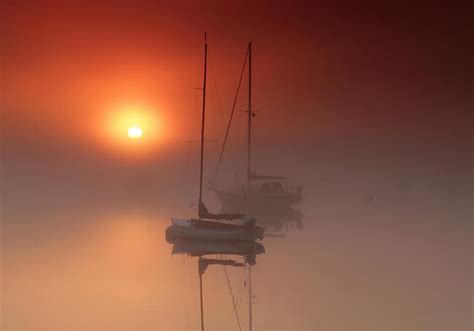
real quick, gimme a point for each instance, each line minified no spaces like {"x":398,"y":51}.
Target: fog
{"x":369,"y":109}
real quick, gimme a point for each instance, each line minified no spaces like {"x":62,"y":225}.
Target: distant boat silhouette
{"x":260,"y":190}
{"x":213,"y":226}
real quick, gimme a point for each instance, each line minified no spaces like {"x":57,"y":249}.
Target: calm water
{"x":352,"y":262}
{"x":369,"y":107}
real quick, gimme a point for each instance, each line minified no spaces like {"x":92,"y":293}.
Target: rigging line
{"x":195,"y":116}
{"x":255,"y":144}
{"x":217,"y":91}
{"x":242,"y":282}
{"x":196,"y":109}
{"x":233,"y":298}
{"x":191,"y":158}
{"x":191,"y":134}
{"x":231,"y":116}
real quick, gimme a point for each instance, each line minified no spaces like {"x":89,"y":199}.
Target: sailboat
{"x":201,"y":248}
{"x":260,"y":191}
{"x":209,"y":226}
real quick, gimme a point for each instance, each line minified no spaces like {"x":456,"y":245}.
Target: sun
{"x":134,"y":129}
{"x":135,"y":132}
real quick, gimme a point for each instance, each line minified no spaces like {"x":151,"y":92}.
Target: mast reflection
{"x":248,"y":250}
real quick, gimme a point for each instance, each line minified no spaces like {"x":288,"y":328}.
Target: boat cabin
{"x":272,"y":187}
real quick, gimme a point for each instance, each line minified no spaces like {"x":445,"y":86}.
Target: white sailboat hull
{"x":187,"y":229}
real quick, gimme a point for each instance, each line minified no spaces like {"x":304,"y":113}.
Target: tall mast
{"x":250,"y":113}
{"x":250,"y":298}
{"x":200,"y":294}
{"x":203,"y":119}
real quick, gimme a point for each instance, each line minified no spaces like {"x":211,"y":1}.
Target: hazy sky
{"x":323,"y":71}
{"x":354,"y":100}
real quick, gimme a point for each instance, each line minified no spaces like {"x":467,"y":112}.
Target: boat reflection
{"x":200,"y":248}
{"x":276,"y":221}
{"x":220,"y":250}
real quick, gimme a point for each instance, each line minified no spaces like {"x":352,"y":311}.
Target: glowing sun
{"x":135,"y":132}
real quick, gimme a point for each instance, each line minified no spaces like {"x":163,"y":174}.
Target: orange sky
{"x":353,"y":100}
{"x":322,"y":73}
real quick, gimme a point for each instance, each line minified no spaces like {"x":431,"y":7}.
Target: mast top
{"x":202,"y":122}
